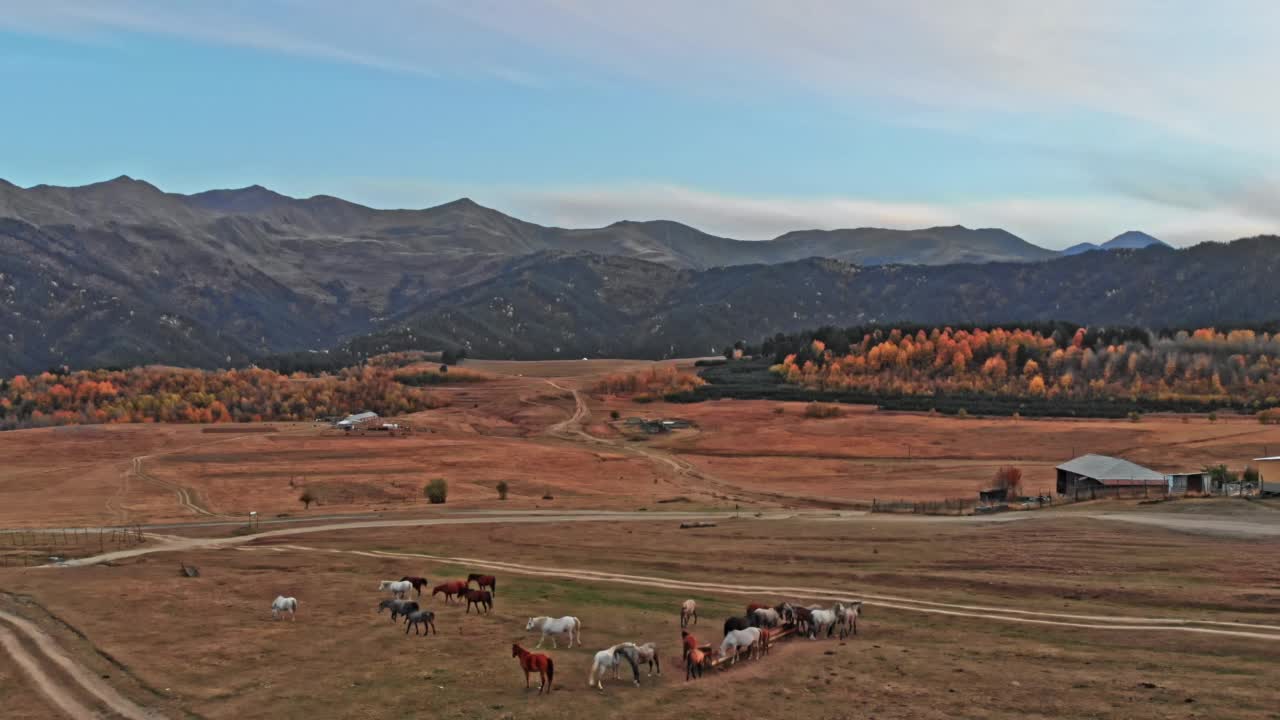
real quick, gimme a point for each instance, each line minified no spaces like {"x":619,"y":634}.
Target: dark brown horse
{"x":418,"y":582}
{"x":736,"y":623}
{"x":479,"y":598}
{"x":529,"y":662}
{"x":484,"y":581}
{"x":451,"y":589}
{"x":804,"y":616}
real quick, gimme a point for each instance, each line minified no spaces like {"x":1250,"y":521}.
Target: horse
{"x":765,"y":617}
{"x":824,"y":620}
{"x":739,"y":639}
{"x":648,"y":653}
{"x":397,"y":607}
{"x":803,"y":617}
{"x":849,"y":619}
{"x":398,"y":588}
{"x":552,"y":627}
{"x":284,"y":604}
{"x":479,"y":598}
{"x":754,"y":607}
{"x":689,"y":642}
{"x":688,"y":611}
{"x":695,"y":662}
{"x":786,"y":612}
{"x":484,"y":581}
{"x":736,"y":623}
{"x":417,"y":582}
{"x":762,"y":647}
{"x":530,"y":662}
{"x":450,"y":589}
{"x":609,"y":659}
{"x":425,"y":618}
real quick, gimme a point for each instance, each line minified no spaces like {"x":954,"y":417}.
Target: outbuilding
{"x":1100,"y":471}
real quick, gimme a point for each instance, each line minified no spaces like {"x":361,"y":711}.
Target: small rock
{"x":1190,"y":700}
{"x":1148,"y":685}
{"x":829,"y":652}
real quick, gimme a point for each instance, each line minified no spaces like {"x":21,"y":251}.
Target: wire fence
{"x":24,"y":548}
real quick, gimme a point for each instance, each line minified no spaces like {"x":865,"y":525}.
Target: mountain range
{"x":1131,"y":240}
{"x":120,"y":273}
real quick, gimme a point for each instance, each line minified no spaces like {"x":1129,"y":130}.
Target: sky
{"x":1062,"y":121}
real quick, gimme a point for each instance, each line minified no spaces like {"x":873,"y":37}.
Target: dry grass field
{"x":1099,"y":610}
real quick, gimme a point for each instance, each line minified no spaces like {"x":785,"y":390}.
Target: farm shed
{"x":352,"y":421}
{"x":1193,"y":482}
{"x":1101,"y":471}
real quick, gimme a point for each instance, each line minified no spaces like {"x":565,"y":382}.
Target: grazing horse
{"x":484,"y":581}
{"x":609,"y":659}
{"x":786,"y":612}
{"x":765,"y":617}
{"x":688,"y":611}
{"x":849,"y":619}
{"x":397,"y":607}
{"x":399,"y":588}
{"x":824,"y":620}
{"x":425,"y":618}
{"x":530,"y":662}
{"x":689,"y":642}
{"x":648,"y":654}
{"x":754,"y":607}
{"x":554,"y":627}
{"x":736,"y":623}
{"x":450,"y":589}
{"x":695,"y":662}
{"x":284,"y":604}
{"x":737,"y":640}
{"x":479,"y":598}
{"x":762,"y":646}
{"x":417,"y":582}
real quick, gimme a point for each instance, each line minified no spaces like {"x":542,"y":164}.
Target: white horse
{"x":766,"y":617}
{"x":610,"y":659}
{"x":849,"y":619}
{"x":737,"y":640}
{"x":820,"y":620}
{"x":688,"y":612}
{"x":553,"y":627}
{"x":399,"y":588}
{"x":284,"y":604}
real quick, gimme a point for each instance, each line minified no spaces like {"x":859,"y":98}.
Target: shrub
{"x":1213,"y":417}
{"x":437,"y":491}
{"x":821,"y":410}
{"x":547,"y":495}
{"x":1017,"y":416}
{"x":306,"y":498}
{"x":651,"y":382}
{"x":1269,"y":417}
{"x":614,"y":414}
{"x":962,"y":413}
{"x":1135,"y":416}
{"x":1251,"y":476}
{"x":502,"y":489}
{"x":780,"y":410}
{"x":1009,"y":478}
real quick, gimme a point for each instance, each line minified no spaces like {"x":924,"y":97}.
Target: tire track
{"x":50,"y":653}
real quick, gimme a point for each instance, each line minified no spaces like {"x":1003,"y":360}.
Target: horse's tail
{"x":577,"y":627}
{"x":551,"y":672}
{"x":494,"y":586}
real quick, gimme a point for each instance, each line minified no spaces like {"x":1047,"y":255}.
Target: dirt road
{"x":46,"y":664}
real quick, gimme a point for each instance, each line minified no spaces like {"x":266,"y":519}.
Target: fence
{"x":948,"y":506}
{"x":19,"y":547}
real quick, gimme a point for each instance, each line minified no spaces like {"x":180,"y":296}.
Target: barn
{"x":1100,"y":471}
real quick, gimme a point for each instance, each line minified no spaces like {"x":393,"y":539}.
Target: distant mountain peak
{"x":1132,"y":240}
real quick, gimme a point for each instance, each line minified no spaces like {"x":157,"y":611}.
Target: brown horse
{"x":418,"y":582}
{"x":695,"y":663}
{"x":530,"y":662}
{"x":689,"y":642}
{"x":450,"y":589}
{"x":484,"y":581}
{"x":763,"y":648}
{"x":479,"y":598}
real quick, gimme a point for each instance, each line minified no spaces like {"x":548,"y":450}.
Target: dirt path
{"x":48,"y":653}
{"x":998,"y":614}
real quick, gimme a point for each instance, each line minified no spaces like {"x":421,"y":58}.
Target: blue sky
{"x":1060,"y":121}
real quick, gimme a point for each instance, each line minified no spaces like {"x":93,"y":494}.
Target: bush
{"x":1009,"y":478}
{"x":1135,"y":416}
{"x":614,"y":414}
{"x":1251,"y":476}
{"x":962,"y":413}
{"x":437,"y":491}
{"x":547,"y":495}
{"x":306,"y":498}
{"x":1269,"y":417}
{"x":821,"y":410}
{"x":502,"y":489}
{"x":1213,"y":417}
{"x":780,"y":410}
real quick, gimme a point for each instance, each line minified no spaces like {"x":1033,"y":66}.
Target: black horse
{"x":736,"y":623}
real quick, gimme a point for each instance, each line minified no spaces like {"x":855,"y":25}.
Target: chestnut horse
{"x":484,"y":581}
{"x":695,"y":663}
{"x":689,"y":642}
{"x":418,"y":582}
{"x":530,"y":662}
{"x":450,"y":589}
{"x":479,"y":598}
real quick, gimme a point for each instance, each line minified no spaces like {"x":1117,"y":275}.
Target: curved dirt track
{"x":50,"y":653}
{"x":1086,"y":622}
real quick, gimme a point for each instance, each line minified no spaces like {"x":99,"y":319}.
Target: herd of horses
{"x":748,"y":635}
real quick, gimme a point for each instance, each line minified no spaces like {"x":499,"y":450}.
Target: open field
{"x":1105,"y":609}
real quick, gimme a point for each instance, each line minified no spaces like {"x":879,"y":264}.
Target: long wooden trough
{"x":775,"y":634}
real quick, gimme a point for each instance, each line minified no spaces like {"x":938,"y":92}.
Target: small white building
{"x":351,"y":422}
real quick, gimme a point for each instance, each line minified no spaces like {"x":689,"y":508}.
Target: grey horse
{"x":397,"y":607}
{"x":425,"y":618}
